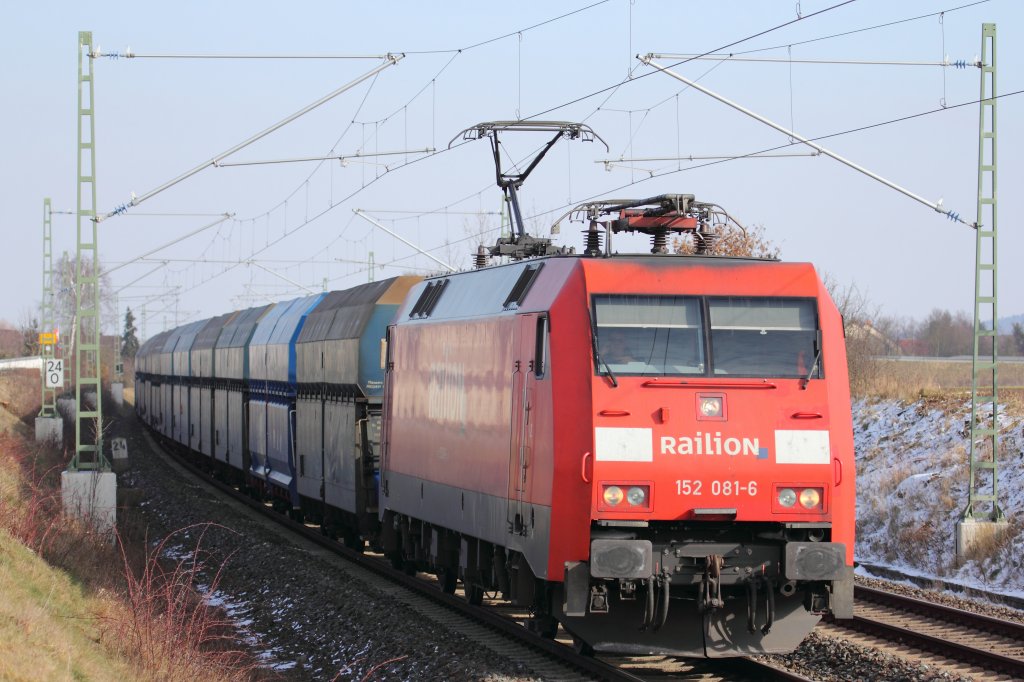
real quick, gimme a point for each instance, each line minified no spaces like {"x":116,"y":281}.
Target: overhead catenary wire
{"x":615,"y":88}
{"x":476,"y":194}
{"x":224,"y":216}
{"x":693,"y":157}
{"x":633,"y":78}
{"x":432,"y":84}
{"x":129,"y":54}
{"x":958,"y":64}
{"x":341,"y":157}
{"x":421,"y":212}
{"x":707,"y":164}
{"x":140,"y":277}
{"x":239,"y":261}
{"x":405,"y":241}
{"x":612,"y":89}
{"x":280,"y":276}
{"x":937,"y":206}
{"x":135,"y":201}
{"x":863,"y":29}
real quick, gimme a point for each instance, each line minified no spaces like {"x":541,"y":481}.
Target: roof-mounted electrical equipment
{"x":657,"y":217}
{"x":521,"y":245}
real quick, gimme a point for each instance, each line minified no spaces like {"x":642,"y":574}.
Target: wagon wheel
{"x":447,"y":579}
{"x":474,"y":594}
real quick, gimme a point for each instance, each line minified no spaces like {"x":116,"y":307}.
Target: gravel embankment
{"x":831,"y":659}
{"x":295,"y":606}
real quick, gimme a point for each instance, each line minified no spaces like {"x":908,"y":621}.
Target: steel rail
{"x":956,"y":650}
{"x":975,"y":621}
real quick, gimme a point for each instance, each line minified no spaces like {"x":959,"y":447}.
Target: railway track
{"x":992,"y":648}
{"x":497,"y":624}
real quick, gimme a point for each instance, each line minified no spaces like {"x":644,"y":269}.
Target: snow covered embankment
{"x":912,"y":478}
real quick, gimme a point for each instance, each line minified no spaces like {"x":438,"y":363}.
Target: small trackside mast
{"x":521,"y":245}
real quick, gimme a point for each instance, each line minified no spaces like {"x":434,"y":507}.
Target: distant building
{"x":913,"y":347}
{"x":11,"y":343}
{"x":880,"y":344}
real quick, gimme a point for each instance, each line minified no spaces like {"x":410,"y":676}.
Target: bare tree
{"x":28,"y":326}
{"x":864,"y":341}
{"x":732,"y":240}
{"x":66,"y":307}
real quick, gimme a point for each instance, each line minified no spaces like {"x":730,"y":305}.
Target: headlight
{"x":612,"y":495}
{"x":809,"y":498}
{"x":787,"y":497}
{"x":711,"y":407}
{"x":636,"y":496}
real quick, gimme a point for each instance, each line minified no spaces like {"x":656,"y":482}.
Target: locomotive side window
{"x":540,"y":351}
{"x":764,"y":337}
{"x":649,"y":335}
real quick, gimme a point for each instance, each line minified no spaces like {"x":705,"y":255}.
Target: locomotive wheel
{"x":474,"y":594}
{"x":581,"y":647}
{"x":544,"y":625}
{"x":353,"y":541}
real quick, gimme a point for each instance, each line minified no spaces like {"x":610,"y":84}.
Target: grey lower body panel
{"x":472,"y":513}
{"x":718,"y":633}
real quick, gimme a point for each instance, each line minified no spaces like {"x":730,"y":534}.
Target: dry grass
{"x":167,"y":628}
{"x":141,"y":612}
{"x":47,"y":626}
{"x":912,"y":380}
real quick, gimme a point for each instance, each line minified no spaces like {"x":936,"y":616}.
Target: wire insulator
{"x":593,"y":242}
{"x":659,"y":242}
{"x":953,"y":215}
{"x":703,"y":241}
{"x":480,"y":259}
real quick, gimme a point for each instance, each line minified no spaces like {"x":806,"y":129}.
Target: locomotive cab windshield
{"x":645,"y":335}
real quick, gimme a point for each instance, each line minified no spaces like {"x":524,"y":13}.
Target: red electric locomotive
{"x":654,"y":451}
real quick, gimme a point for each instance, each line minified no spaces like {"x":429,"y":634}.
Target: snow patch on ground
{"x":912,"y":480}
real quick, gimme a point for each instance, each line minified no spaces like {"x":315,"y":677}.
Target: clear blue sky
{"x":158,"y":118}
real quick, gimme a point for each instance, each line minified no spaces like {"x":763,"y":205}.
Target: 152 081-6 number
{"x":687,"y":486}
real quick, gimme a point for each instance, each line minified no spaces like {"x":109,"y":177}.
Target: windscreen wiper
{"x":600,"y":360}
{"x":814,"y":365}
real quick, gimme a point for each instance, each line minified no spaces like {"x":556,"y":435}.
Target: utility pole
{"x":88,"y":487}
{"x":89,"y":420}
{"x":49,"y":426}
{"x":983,"y":518}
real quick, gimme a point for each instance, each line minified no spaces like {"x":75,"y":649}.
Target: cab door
{"x":526,"y":367}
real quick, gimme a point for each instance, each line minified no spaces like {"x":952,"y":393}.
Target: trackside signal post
{"x":983,"y":519}
{"x":49,"y":426}
{"x":88,"y":487}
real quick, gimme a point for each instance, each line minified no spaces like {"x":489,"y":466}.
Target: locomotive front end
{"x":721,"y":473}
